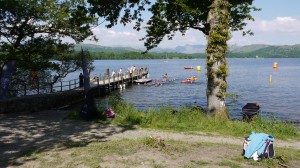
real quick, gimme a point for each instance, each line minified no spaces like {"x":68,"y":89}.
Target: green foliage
{"x":23,"y":20}
{"x":195,"y":119}
{"x":32,"y":33}
{"x":126,"y":113}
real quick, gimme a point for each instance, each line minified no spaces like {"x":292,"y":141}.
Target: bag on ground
{"x":258,"y":146}
{"x":109,"y":113}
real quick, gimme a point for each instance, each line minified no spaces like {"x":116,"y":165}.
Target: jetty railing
{"x":44,"y":87}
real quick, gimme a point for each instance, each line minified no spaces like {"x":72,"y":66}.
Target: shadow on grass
{"x":24,"y":135}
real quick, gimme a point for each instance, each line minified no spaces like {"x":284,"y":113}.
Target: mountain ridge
{"x":254,"y":50}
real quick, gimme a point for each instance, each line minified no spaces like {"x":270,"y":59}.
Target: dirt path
{"x":48,"y":128}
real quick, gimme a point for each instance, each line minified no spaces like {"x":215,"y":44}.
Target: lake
{"x":248,"y":78}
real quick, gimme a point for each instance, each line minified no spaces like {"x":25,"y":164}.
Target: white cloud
{"x":279,"y":31}
{"x":279,"y":25}
{"x":126,"y":36}
{"x":111,"y":37}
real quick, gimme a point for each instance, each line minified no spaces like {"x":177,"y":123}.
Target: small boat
{"x":250,"y":110}
{"x":142,"y":81}
{"x":188,"y":67}
{"x":187,"y":81}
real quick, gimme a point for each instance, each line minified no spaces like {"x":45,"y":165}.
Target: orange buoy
{"x":275,"y":65}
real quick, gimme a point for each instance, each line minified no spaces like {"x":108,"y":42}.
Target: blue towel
{"x":257,"y":143}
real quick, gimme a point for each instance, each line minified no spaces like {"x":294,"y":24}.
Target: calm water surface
{"x":248,"y":78}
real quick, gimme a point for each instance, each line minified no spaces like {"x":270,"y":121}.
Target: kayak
{"x":187,"y":81}
{"x":188,"y":67}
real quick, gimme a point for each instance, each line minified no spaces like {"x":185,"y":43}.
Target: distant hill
{"x":250,"y":51}
{"x":267,"y":51}
{"x":99,"y":48}
{"x":186,"y":49}
{"x":249,"y":48}
{"x":191,"y":49}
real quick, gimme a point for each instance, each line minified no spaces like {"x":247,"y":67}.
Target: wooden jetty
{"x":105,"y":84}
{"x":67,"y":92}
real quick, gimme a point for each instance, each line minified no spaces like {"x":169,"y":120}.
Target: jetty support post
{"x":114,"y":82}
{"x":108,"y":83}
{"x":98,"y":82}
{"x":122,"y":78}
{"x":103,"y":86}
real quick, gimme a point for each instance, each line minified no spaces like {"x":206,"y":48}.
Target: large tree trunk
{"x":218,"y":20}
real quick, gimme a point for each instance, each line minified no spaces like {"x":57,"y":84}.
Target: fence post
{"x":69,"y":85}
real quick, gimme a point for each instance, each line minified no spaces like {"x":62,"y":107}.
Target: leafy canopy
{"x":32,"y":33}
{"x":170,"y":16}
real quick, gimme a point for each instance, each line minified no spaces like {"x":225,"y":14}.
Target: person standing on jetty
{"x":113,"y":73}
{"x":130,"y":71}
{"x":80,"y":80}
{"x":107,"y":72}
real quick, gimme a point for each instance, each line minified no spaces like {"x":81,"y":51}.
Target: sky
{"x":277,"y":24}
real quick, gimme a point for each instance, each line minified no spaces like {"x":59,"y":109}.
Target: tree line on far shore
{"x":150,"y":55}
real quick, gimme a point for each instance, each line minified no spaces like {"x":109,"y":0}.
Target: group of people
{"x":113,"y":73}
{"x":131,"y":71}
{"x":159,"y":82}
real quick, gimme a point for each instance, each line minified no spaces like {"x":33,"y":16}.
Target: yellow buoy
{"x":275,"y":65}
{"x":270,"y":78}
{"x":198,"y":68}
